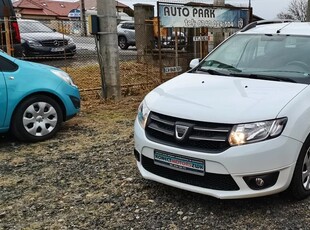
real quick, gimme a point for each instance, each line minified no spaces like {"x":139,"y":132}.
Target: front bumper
{"x":277,"y":155}
{"x":70,"y":96}
{"x":44,"y":51}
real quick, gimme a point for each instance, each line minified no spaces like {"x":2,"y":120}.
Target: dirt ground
{"x":86,"y":178}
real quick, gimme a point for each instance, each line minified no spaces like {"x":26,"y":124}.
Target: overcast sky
{"x":267,"y":9}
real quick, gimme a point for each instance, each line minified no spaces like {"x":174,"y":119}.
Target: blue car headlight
{"x":64,"y":76}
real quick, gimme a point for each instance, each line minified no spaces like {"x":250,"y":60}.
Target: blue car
{"x":34,"y":99}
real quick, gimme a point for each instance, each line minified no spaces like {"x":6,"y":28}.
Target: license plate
{"x":59,"y":49}
{"x":180,"y":163}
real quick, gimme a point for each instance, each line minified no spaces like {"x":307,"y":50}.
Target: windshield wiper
{"x":263,"y":77}
{"x":224,"y":65}
{"x":284,"y":71}
{"x":214,"y":72}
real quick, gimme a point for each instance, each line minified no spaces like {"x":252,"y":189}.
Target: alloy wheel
{"x":306,"y":171}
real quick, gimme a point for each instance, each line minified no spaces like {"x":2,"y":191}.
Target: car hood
{"x":30,"y":64}
{"x":221,"y":99}
{"x":43,"y":36}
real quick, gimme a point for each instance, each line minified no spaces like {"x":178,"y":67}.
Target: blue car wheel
{"x":37,"y":118}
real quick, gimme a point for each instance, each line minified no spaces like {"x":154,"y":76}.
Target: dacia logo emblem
{"x":180,"y":132}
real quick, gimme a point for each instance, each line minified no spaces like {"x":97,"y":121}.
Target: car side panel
{"x":3,"y":100}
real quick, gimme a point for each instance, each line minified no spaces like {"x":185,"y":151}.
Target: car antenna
{"x":279,"y":30}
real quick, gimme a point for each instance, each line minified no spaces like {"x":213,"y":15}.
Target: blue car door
{"x":3,"y":99}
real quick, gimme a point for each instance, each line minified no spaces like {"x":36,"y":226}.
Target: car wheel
{"x":122,"y":43}
{"x":300,"y":185}
{"x":36,"y":119}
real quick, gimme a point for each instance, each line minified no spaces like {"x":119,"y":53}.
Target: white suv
{"x":238,"y":124}
{"x":126,"y":34}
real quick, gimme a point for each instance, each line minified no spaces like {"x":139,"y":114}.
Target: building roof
{"x":92,"y":4}
{"x":45,"y":7}
{"x":55,"y":8}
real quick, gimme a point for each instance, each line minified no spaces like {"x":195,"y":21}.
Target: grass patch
{"x":136,"y":78}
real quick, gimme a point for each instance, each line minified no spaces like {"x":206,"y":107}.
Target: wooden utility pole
{"x":108,"y":49}
{"x":308,"y":11}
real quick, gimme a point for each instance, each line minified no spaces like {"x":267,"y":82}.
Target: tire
{"x":122,"y":43}
{"x":37,"y":118}
{"x":300,"y":184}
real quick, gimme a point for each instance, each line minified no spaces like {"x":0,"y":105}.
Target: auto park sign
{"x":175,"y":15}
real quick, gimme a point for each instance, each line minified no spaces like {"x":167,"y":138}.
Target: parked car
{"x":34,"y":99}
{"x":6,"y":10}
{"x":126,"y":34}
{"x":169,"y":41}
{"x":237,"y":124}
{"x":38,"y":40}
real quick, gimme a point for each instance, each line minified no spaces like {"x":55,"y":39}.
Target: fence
{"x":63,"y":44}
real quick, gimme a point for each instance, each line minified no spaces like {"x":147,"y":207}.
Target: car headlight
{"x":143,"y":113}
{"x":33,"y":43}
{"x":64,"y":76}
{"x":70,"y":41}
{"x":256,"y":131}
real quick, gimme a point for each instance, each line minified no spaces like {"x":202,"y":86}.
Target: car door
{"x":7,"y":68}
{"x":3,"y":98}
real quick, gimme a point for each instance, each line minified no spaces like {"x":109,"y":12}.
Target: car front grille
{"x":201,"y":136}
{"x":54,"y":43}
{"x":209,"y":180}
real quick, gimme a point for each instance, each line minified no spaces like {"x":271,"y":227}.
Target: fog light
{"x":259,"y":181}
{"x":262,"y":181}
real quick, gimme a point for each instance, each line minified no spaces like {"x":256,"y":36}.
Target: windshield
{"x":264,"y":56}
{"x":33,"y":27}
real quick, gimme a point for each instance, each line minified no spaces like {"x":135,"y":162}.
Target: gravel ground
{"x":86,"y":178}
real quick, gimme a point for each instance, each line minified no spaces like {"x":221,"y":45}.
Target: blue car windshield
{"x":263,"y":56}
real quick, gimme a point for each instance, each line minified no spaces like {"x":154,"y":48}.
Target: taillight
{"x":16,"y":33}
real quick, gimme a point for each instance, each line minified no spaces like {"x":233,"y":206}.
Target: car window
{"x":33,"y":27}
{"x":7,"y":66}
{"x":129,"y":26}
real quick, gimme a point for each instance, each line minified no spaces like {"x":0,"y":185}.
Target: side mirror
{"x":194,"y":63}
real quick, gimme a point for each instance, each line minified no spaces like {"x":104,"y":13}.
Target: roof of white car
{"x":291,"y":28}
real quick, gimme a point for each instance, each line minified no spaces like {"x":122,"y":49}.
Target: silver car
{"x":126,"y":34}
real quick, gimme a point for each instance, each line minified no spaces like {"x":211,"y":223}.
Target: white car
{"x":126,"y":34}
{"x":238,"y":124}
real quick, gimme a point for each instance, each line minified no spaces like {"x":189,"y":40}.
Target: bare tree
{"x":297,"y":10}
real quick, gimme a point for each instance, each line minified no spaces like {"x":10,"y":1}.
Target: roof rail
{"x":265,"y":22}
